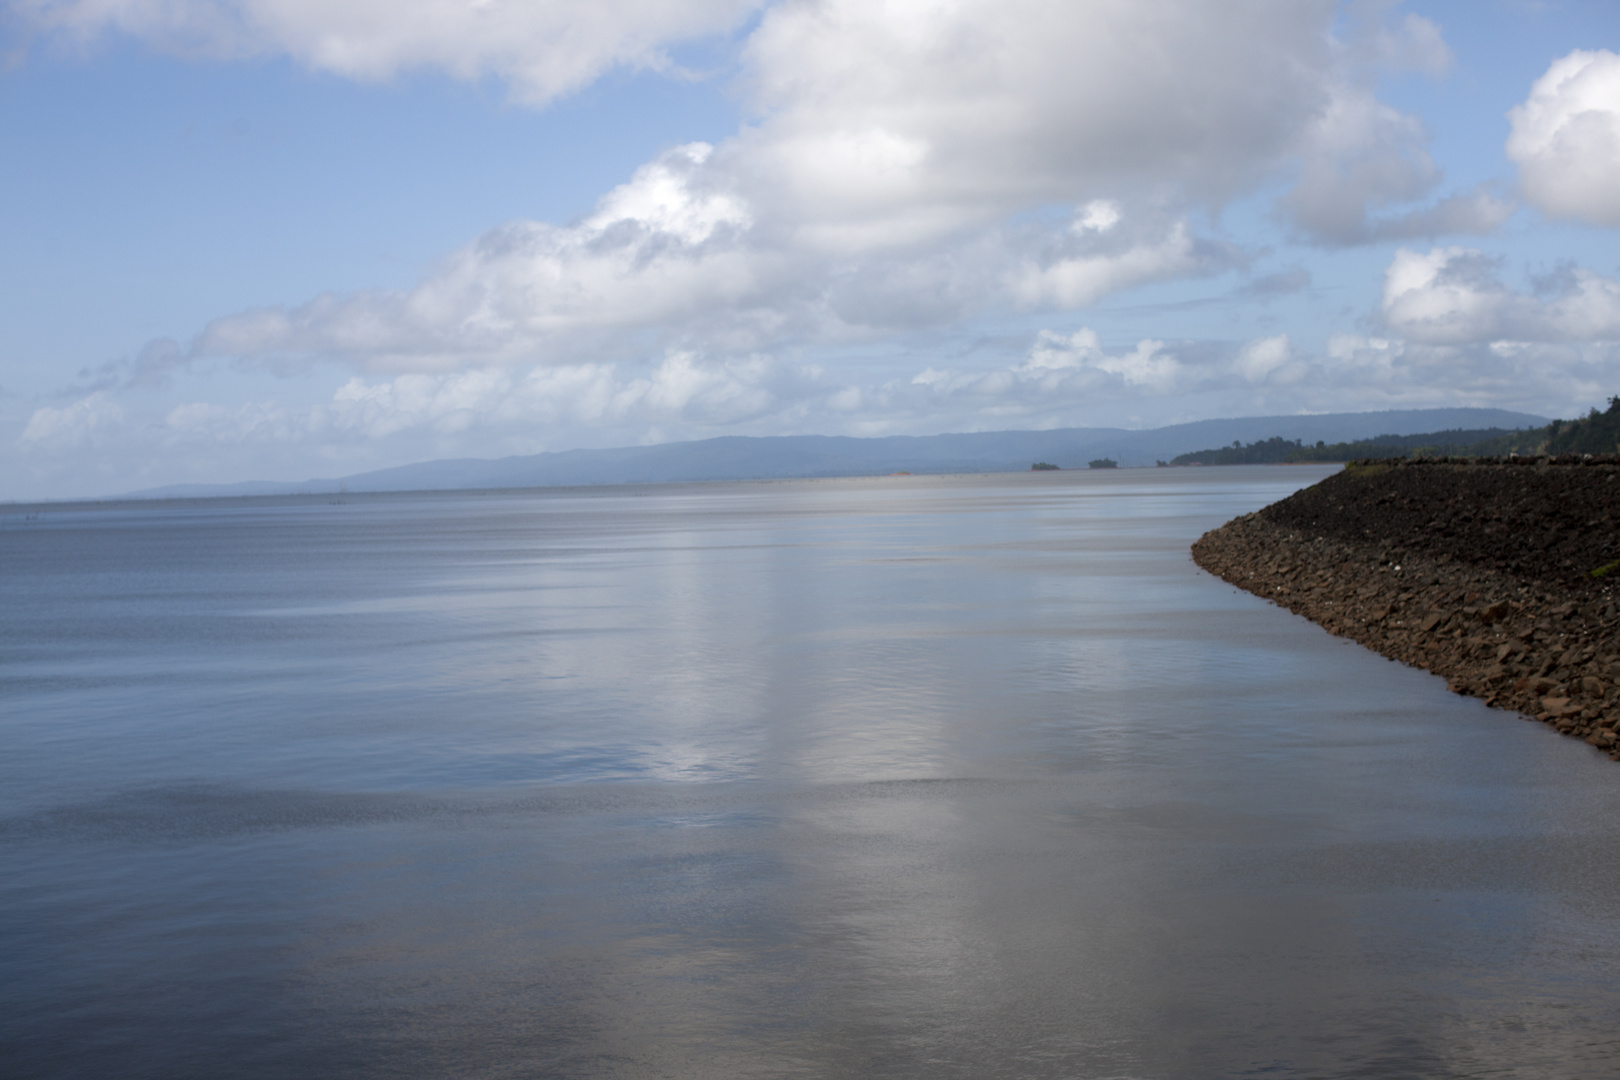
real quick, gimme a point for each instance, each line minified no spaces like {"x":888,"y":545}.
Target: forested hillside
{"x":1595,"y":433}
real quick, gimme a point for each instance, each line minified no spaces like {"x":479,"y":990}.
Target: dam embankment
{"x":1497,"y":574}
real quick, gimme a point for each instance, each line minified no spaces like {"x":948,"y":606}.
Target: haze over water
{"x":892,"y":777}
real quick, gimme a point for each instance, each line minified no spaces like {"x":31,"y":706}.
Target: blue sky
{"x":264,"y":239}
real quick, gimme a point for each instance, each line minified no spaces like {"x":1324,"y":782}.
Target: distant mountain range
{"x":787,"y":456}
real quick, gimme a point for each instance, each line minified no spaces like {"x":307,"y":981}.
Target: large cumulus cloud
{"x":1362,"y":164}
{"x":1566,"y":139}
{"x":918,"y":162}
{"x":902,"y":165}
{"x":674,"y":260}
{"x":1456,"y":295}
{"x":897,"y":119}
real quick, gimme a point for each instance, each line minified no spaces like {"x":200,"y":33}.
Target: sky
{"x":282,"y":239}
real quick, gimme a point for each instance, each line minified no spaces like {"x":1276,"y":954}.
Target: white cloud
{"x":1060,"y":373}
{"x":1081,"y":270}
{"x":1445,"y":294}
{"x":1478,"y":212}
{"x":1361,"y":158}
{"x":1071,"y":378}
{"x":1455,"y":295}
{"x":1363,"y":351}
{"x":676,"y":258}
{"x":1067,"y":378}
{"x":1566,"y":139}
{"x":83,"y":422}
{"x":1054,"y":359}
{"x":886,"y":180}
{"x":894,"y":142}
{"x":1262,"y":357}
{"x":479,"y":409}
{"x":660,"y":251}
{"x":906,"y":164}
{"x":212,"y":424}
{"x":541,"y":48}
{"x":1359,"y":152}
{"x":1417,"y":45}
{"x":1361,"y":162}
{"x":901,"y":118}
{"x":1098,"y":215}
{"x":1382,"y":373}
{"x":444,"y":404}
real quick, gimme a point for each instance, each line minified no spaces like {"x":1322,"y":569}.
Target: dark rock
{"x":1481,"y":572}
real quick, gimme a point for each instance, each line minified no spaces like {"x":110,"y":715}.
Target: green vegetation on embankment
{"x":1594,"y":433}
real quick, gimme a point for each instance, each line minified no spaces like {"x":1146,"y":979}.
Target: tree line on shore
{"x":1595,"y":433}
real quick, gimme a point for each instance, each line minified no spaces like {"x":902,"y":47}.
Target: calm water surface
{"x":898,"y":777}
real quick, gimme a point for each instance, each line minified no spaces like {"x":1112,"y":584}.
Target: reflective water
{"x":898,"y":777}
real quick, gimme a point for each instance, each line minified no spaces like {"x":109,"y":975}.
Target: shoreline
{"x":1453,"y":595}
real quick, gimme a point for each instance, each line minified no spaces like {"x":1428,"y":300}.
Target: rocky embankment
{"x":1497,"y":574}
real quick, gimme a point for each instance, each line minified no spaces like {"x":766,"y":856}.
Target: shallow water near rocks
{"x":901,"y":777}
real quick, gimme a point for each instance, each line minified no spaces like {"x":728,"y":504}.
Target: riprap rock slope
{"x":1497,"y":574}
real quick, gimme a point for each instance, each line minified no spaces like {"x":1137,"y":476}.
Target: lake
{"x":971,"y":776}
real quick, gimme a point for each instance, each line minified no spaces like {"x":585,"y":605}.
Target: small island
{"x":1042,"y":466}
{"x":1103,"y":463}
